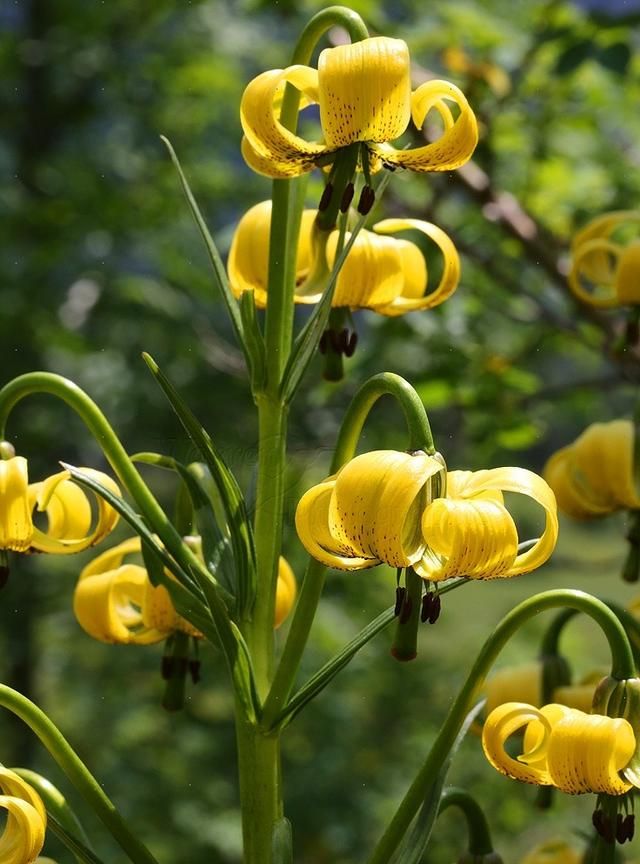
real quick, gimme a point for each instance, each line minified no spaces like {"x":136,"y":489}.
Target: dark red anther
{"x":166,"y":667}
{"x":427,"y":602}
{"x":347,"y":197}
{"x":603,"y":826}
{"x":4,"y":576}
{"x":350,"y":347}
{"x":436,"y":606}
{"x":194,"y":670}
{"x":400,"y":594}
{"x":405,"y":612}
{"x":325,"y":199}
{"x":625,"y":827}
{"x":367,"y":200}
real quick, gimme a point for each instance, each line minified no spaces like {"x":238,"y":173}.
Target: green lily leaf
{"x":219,"y":272}
{"x":414,"y":847}
{"x":234,"y":504}
{"x":254,"y":341}
{"x":81,"y":852}
{"x":327,"y":673}
{"x":282,"y":842}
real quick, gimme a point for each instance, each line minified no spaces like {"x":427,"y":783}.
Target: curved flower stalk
{"x":67,"y":508}
{"x":115,"y":602}
{"x":24,"y":831}
{"x":470,"y":532}
{"x":563,"y":747}
{"x":383,"y":273}
{"x":605,"y":267}
{"x":364,"y":93}
{"x":594,"y":476}
{"x":380,"y":508}
{"x":553,"y":852}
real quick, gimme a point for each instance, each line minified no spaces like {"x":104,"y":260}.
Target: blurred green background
{"x":100,"y":260}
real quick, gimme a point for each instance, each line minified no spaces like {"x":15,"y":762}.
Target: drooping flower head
{"x":605,"y":265}
{"x":363,"y":91}
{"x":594,"y":476}
{"x":115,"y":602}
{"x":385,"y":273}
{"x":562,"y":747}
{"x":381,"y":507}
{"x":67,"y":509}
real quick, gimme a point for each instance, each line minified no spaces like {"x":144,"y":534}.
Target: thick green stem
{"x":77,"y":772}
{"x":259,"y":772}
{"x":479,"y":836}
{"x":622,"y":666}
{"x":420,"y":438}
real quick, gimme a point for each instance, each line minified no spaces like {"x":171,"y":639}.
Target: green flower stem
{"x":420,"y":438}
{"x":260,"y":796}
{"x":386,"y":383}
{"x":405,"y":642}
{"x":622,"y":666}
{"x":479,"y":836}
{"x":77,"y":772}
{"x":98,"y":425}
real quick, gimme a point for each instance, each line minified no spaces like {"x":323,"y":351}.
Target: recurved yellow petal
{"x":571,"y":499}
{"x":24,"y":830}
{"x":412,"y":296}
{"x":364,"y":91}
{"x":476,"y":539}
{"x":500,"y":725}
{"x":602,"y":464}
{"x":592,"y":273}
{"x":377,"y":502}
{"x":69,"y":514}
{"x":371,"y":275}
{"x":312,"y":525}
{"x":16,"y":527}
{"x":281,"y":152}
{"x":587,"y":752}
{"x":457,"y":142}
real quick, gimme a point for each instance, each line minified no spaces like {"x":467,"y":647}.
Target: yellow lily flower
{"x":24,"y":830}
{"x":605,"y":268}
{"x":115,"y":602}
{"x":364,"y":93}
{"x":470,"y":532}
{"x":563,"y":747}
{"x":553,"y":852}
{"x":369,"y":512}
{"x":386,"y":274}
{"x":65,"y":505}
{"x":594,"y":476}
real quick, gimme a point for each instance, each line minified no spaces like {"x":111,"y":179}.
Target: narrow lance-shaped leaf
{"x":216,"y":261}
{"x":235,"y":508}
{"x":254,"y":341}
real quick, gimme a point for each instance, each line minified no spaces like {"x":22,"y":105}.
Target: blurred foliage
{"x":100,"y":260}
